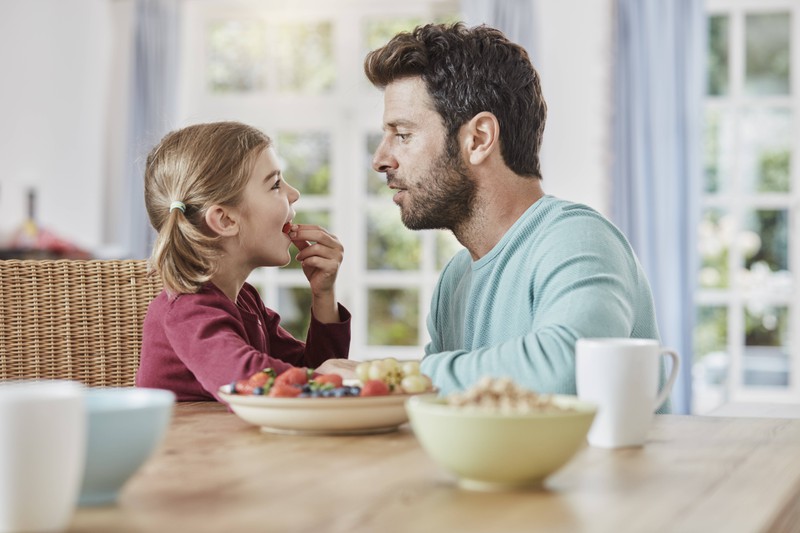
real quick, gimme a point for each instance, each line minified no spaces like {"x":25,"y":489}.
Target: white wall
{"x":54,"y":57}
{"x":62,"y":97}
{"x":575,"y":62}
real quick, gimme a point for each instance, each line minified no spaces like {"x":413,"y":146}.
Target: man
{"x":463,"y":123}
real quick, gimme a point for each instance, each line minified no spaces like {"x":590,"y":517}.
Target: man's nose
{"x":383,"y":161}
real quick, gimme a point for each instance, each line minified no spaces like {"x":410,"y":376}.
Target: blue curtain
{"x":153,"y":104}
{"x":656,"y":174}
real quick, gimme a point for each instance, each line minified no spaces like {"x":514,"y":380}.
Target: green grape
{"x":362,"y":371}
{"x":376,"y":370}
{"x":410,"y":368}
{"x":414,"y":384}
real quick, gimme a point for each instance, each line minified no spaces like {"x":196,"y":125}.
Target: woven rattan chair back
{"x":77,"y":320}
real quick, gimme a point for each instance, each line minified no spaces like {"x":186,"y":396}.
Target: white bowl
{"x":323,"y":416}
{"x":125,"y":427}
{"x":494,"y":451}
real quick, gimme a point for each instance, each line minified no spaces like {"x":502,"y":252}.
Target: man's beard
{"x":444,"y":199}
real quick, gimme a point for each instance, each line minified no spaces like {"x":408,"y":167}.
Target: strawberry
{"x":374,"y":387}
{"x":259,"y":379}
{"x":243,"y":387}
{"x":293,"y":376}
{"x":282,"y":390}
{"x":333,"y":379}
{"x":287,"y":228}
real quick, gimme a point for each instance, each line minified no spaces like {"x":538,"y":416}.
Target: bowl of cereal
{"x":498,"y":436}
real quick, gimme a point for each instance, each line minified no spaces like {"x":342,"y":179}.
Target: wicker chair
{"x":71,"y":319}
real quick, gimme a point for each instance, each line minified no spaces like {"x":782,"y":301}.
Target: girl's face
{"x":266,"y":206}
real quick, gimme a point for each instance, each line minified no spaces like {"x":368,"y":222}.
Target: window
{"x":295,"y":71}
{"x":747,"y":336}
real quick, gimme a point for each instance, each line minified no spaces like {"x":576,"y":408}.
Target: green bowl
{"x":493,"y":451}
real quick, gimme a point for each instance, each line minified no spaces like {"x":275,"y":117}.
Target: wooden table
{"x":214,"y":473}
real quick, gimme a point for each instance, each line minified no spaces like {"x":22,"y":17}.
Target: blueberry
{"x":258,"y":391}
{"x":306,"y":388}
{"x":233,"y":387}
{"x":341,"y":391}
{"x":304,"y":395}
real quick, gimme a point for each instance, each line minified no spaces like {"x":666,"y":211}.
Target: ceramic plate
{"x":321,"y":416}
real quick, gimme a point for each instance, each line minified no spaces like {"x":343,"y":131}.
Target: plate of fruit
{"x":300,"y":402}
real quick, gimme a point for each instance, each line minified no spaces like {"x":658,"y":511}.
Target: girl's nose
{"x":293,"y":194}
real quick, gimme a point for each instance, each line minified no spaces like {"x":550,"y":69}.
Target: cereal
{"x":503,"y":396}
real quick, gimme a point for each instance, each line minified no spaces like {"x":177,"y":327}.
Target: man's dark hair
{"x":467,"y":71}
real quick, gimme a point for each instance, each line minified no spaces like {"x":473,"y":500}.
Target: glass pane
{"x":393,"y":317}
{"x":319,"y":218}
{"x":767,"y":54}
{"x":390,"y":245}
{"x":715,"y":234}
{"x":376,"y":182}
{"x":237,"y":54}
{"x":305,"y":160}
{"x":766,"y":148}
{"x":446,"y":247}
{"x":294,"y":306}
{"x":304,"y":57}
{"x":765,"y":239}
{"x":766,"y":356}
{"x":718,"y":53}
{"x":719,"y":154}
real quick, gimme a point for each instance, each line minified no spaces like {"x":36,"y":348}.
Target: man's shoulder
{"x":555,"y":208}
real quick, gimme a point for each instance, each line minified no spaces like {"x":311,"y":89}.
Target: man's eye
{"x":403,"y":136}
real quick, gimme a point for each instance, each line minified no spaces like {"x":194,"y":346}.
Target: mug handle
{"x":662,"y":397}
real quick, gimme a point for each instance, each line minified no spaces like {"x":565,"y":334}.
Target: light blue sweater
{"x":561,"y":272}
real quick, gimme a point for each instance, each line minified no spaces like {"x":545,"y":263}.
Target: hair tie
{"x":177,"y":205}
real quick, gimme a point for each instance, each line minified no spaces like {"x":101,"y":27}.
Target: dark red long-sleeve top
{"x":194,"y":343}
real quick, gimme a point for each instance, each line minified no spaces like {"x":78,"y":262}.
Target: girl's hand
{"x":320,"y":255}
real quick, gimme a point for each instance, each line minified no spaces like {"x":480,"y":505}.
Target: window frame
{"x":736,"y":202}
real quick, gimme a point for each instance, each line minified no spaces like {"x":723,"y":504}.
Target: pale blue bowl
{"x":125,"y":427}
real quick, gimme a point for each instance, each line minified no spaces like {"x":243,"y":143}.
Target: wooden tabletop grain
{"x":215,"y":473}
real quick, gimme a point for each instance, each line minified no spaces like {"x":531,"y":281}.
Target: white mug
{"x":621,"y":376}
{"x":42,"y":452}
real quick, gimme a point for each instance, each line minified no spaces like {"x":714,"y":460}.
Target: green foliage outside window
{"x":390,"y":245}
{"x":295,"y":306}
{"x":718,"y":52}
{"x":393,"y":317}
{"x":305,"y":160}
{"x":767,"y":53}
{"x":773,"y":171}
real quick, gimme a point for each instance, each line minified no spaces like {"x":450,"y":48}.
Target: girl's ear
{"x":221,"y":221}
{"x":482,"y":137}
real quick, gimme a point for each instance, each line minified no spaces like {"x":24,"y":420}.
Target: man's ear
{"x":222,"y":221}
{"x":482,"y":137}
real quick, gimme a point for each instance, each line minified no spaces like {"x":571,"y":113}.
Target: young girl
{"x":216,"y":196}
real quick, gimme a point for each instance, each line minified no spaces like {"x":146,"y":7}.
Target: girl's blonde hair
{"x":200,"y":165}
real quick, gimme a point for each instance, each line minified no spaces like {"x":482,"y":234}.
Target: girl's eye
{"x":277,"y":184}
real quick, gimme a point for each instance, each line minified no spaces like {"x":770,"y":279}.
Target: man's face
{"x":434,"y":190}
